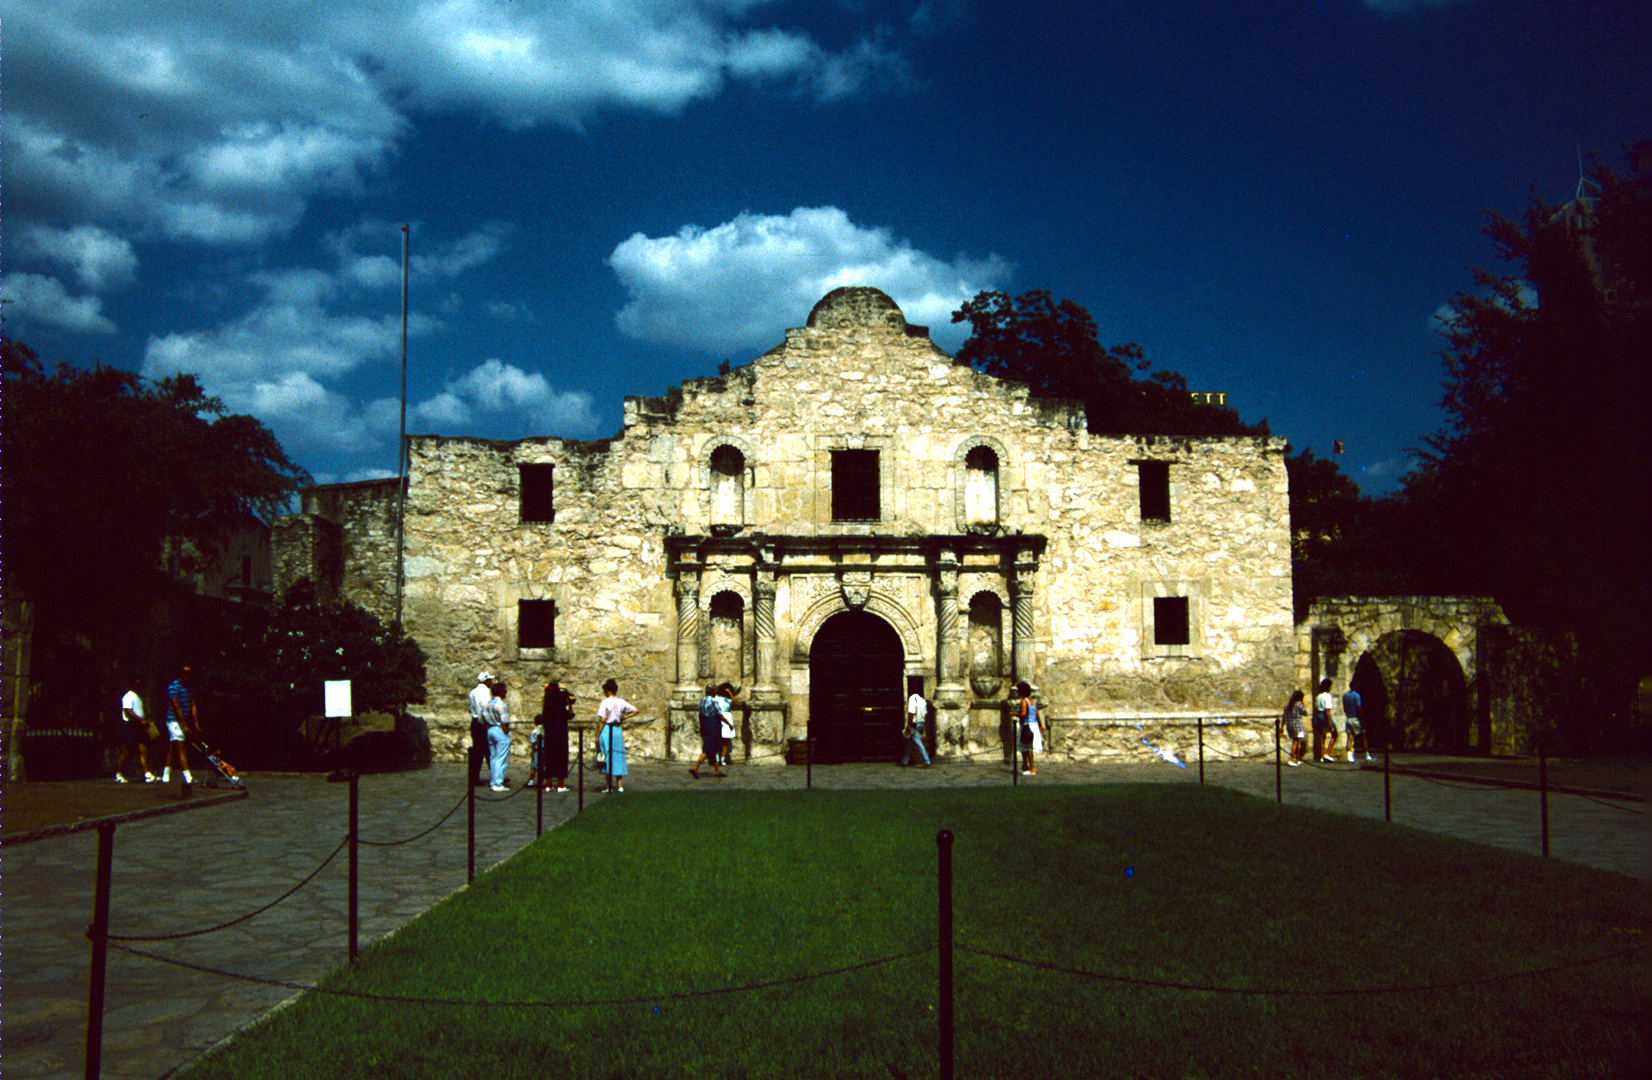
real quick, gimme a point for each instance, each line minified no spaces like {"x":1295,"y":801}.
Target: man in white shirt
{"x":133,"y":730}
{"x":480,"y":695}
{"x":1323,"y":704}
{"x":917,"y":712}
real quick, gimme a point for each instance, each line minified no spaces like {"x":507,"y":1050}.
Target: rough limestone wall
{"x":1227,"y":546}
{"x":470,"y":560}
{"x":368,"y":576}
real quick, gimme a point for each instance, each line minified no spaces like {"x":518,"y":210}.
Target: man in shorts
{"x":182,"y":721}
{"x":1324,"y":704}
{"x":1356,"y":731}
{"x":133,"y":731}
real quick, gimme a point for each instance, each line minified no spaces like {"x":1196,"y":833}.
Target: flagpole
{"x":401,"y":444}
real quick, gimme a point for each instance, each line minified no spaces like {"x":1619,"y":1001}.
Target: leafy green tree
{"x":1534,"y":491}
{"x":112,"y":487}
{"x":270,"y":671}
{"x":1054,"y":349}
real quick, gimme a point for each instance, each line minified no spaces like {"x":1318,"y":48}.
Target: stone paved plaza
{"x":196,"y":868}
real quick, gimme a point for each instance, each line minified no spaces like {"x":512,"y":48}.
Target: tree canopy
{"x":1534,"y":490}
{"x":112,"y":484}
{"x":1054,"y":349}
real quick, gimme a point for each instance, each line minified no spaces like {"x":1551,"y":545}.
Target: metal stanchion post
{"x":99,"y":933}
{"x":1201,"y":723}
{"x":1543,"y":788}
{"x":539,"y":793}
{"x":1387,"y":797}
{"x":581,"y":806}
{"x":943,"y":840}
{"x":1279,"y":764}
{"x":355,"y":833}
{"x":470,"y":838}
{"x":808,"y":757}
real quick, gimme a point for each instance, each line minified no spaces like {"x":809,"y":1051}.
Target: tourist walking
{"x":1356,"y":731}
{"x":1031,"y":729}
{"x":552,"y":721}
{"x":917,"y":711}
{"x":1292,"y":721}
{"x":499,"y":736}
{"x":1323,"y":705}
{"x":711,"y":733}
{"x":725,"y":704}
{"x":613,"y":712}
{"x":480,"y":695}
{"x":133,"y":730}
{"x":182,"y":721}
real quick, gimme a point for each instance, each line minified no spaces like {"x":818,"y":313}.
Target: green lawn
{"x":659,"y":901}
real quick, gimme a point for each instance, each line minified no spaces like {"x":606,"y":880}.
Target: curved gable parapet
{"x":857,"y":306}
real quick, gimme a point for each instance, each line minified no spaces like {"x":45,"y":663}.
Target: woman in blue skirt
{"x":613,"y":711}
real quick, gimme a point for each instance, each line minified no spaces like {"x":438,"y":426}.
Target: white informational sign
{"x":338,"y":697}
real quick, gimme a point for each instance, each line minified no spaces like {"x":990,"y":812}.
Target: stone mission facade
{"x":852,"y":512}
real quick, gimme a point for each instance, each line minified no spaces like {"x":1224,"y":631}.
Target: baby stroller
{"x":225,"y":769}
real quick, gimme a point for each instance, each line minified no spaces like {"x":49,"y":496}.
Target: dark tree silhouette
{"x":1053,"y":348}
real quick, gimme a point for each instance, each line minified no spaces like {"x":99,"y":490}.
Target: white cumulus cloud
{"x":101,"y":260}
{"x":495,"y":393}
{"x":727,"y":288}
{"x":36,"y":298}
{"x":220,"y":122}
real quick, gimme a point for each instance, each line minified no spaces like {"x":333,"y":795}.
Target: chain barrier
{"x":416,"y":836}
{"x":646,"y":999}
{"x":1610,"y":804}
{"x":342,"y":844}
{"x":503,"y":798}
{"x":1264,"y":992}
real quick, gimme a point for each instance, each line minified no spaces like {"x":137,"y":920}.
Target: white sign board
{"x":338,"y":697}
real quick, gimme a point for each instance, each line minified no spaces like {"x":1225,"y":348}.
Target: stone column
{"x":768,"y":710}
{"x":1026,"y":570}
{"x":951,"y":696}
{"x":688,"y":630}
{"x":762,"y":591}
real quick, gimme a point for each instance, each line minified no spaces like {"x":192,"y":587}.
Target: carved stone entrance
{"x":856,"y":696}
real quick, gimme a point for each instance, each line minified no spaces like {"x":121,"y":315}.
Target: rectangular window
{"x":536,"y":624}
{"x":538,"y":488}
{"x":1154,"y":480}
{"x":1170,"y":622}
{"x":855,"y":485}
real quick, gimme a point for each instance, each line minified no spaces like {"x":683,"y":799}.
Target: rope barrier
{"x":1333,"y":992}
{"x":684,"y":995}
{"x":236,"y":922}
{"x":503,"y":798}
{"x":1611,"y":805}
{"x":646,"y":999}
{"x":417,"y":836}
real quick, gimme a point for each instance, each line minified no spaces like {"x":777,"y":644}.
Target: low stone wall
{"x":1136,"y":736}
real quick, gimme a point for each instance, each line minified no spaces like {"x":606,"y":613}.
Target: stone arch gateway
{"x":1417,"y":660}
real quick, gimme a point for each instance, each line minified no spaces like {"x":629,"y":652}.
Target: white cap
{"x":484,"y":677}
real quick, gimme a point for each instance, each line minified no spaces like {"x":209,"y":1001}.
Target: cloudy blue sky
{"x":606,"y":197}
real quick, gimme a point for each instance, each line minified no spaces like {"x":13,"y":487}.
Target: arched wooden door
{"x":856,"y":700}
